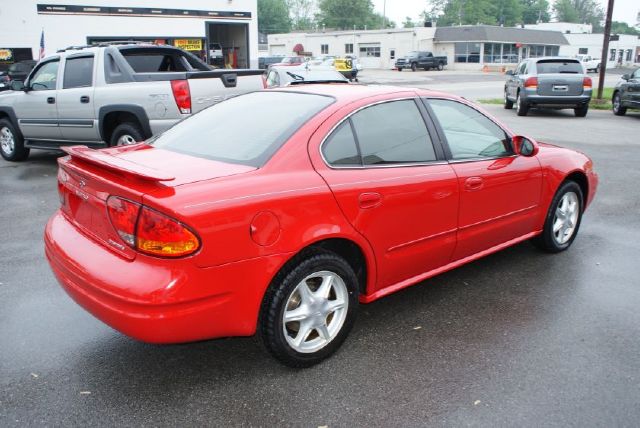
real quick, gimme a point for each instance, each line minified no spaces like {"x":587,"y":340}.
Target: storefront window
{"x":370,"y":51}
{"x":552,"y":50}
{"x":536,"y":51}
{"x":467,"y":52}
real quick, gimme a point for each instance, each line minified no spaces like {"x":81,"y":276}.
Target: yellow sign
{"x":188,"y":44}
{"x":6,"y":55}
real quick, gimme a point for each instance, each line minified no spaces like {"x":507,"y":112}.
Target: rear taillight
{"x":182,"y":95}
{"x":149,"y":231}
{"x":124,"y":215}
{"x":587,"y":83}
{"x":531,"y":83}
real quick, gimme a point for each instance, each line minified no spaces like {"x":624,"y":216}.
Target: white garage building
{"x":195,"y":25}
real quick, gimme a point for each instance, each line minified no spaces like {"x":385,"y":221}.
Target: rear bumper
{"x":556,"y":100}
{"x":156,"y":300}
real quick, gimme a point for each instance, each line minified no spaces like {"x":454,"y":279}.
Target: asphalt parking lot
{"x":519,"y":338}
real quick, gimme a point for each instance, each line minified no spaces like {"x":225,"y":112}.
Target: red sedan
{"x":280,"y":211}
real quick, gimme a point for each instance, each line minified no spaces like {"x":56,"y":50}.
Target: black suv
{"x":626,"y":94}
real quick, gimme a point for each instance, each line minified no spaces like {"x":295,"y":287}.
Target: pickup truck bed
{"x":109,"y":95}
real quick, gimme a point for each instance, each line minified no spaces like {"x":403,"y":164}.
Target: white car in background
{"x":589,"y":63}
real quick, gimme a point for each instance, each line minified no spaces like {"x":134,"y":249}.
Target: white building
{"x":472,"y":47}
{"x":623,"y":49}
{"x":192,"y":24}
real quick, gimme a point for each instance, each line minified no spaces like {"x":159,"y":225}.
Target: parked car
{"x":626,"y":93}
{"x":421,"y":59}
{"x":278,"y":77}
{"x":549,"y":82}
{"x":20,"y":70}
{"x":219,"y":229}
{"x":290,"y":61}
{"x":5,"y":81}
{"x":265,"y":61}
{"x":138,"y":91}
{"x":589,"y":63}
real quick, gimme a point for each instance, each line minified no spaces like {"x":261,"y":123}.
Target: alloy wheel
{"x":126,"y":140}
{"x":315,"y":311}
{"x":566,"y":218}
{"x":7,"y":141}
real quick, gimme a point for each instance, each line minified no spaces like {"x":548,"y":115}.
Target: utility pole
{"x":605,"y":49}
{"x":384,"y":14}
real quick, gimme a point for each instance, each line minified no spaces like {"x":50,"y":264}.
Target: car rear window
{"x":246,"y":130}
{"x":150,"y":60}
{"x":549,"y":66}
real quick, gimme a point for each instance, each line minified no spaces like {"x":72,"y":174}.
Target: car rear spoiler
{"x":104,"y":160}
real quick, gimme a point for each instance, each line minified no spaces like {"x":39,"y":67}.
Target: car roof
{"x":354,"y":92}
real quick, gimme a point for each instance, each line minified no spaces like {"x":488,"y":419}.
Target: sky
{"x":398,"y":10}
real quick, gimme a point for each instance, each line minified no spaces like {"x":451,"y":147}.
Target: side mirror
{"x":509,"y":72}
{"x":524,"y":146}
{"x":626,"y":76}
{"x":17,"y":85}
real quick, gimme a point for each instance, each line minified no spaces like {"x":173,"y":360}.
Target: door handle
{"x":473,"y":183}
{"x":51,"y":100}
{"x":84,"y":99}
{"x":369,"y":200}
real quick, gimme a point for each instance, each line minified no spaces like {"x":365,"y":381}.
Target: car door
{"x":499,"y":190}
{"x":36,"y":108}
{"x":390,"y":179}
{"x":76,"y":111}
{"x":631,"y":93}
{"x":514,"y":80}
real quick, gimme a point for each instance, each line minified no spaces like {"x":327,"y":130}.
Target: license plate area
{"x":561,"y":88}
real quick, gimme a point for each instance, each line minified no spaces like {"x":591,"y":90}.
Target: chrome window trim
{"x":395,"y":165}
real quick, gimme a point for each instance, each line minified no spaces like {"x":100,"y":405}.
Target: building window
{"x":552,"y":51}
{"x":392,"y":53}
{"x":628,"y":55}
{"x":348,"y":48}
{"x":536,"y":51}
{"x":324,"y":49}
{"x":612,"y":55}
{"x":583,"y":51}
{"x":467,"y":52}
{"x":498,"y":53}
{"x":370,"y":51}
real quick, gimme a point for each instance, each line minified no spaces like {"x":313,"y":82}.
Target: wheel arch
{"x":109,"y":117}
{"x":8,"y":113}
{"x":581,"y":179}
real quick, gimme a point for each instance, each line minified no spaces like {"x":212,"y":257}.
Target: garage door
{"x":277,"y":49}
{"x":369,"y":55}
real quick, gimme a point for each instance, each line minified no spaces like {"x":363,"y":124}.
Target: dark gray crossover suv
{"x":548,"y":82}
{"x":626,"y":93}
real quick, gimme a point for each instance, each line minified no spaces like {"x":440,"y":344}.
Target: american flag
{"x":42,"y":45}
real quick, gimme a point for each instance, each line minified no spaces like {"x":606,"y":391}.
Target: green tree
{"x":618,"y":27}
{"x":408,"y":23}
{"x":534,"y":11}
{"x":273,"y":16}
{"x":302,"y":12}
{"x":580,"y":11}
{"x":345,"y":14}
{"x":490,"y":12}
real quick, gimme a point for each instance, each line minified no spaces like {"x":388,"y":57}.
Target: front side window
{"x":220,"y":132}
{"x":470,"y":134}
{"x":78,"y":72}
{"x":46,"y":77}
{"x":393,"y":132}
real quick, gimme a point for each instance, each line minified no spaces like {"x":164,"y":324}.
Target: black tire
{"x":521,"y":107}
{"x":581,"y":111}
{"x":617,"y":108}
{"x":508,"y":104}
{"x":399,"y":68}
{"x":547,"y":240}
{"x":598,"y":68}
{"x":427,"y":68}
{"x":414,"y":66}
{"x":271,"y":325}
{"x":12,"y":146}
{"x":125,"y":129}
{"x":440,"y":66}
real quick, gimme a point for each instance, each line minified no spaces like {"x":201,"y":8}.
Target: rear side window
{"x":469,"y":133}
{"x":340,"y":148}
{"x":153,"y":63}
{"x":393,"y":132}
{"x":247,"y":129}
{"x":551,"y":66}
{"x":78,"y":72}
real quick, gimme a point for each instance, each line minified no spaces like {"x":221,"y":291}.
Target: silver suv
{"x":110,"y":95}
{"x":549,"y":82}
